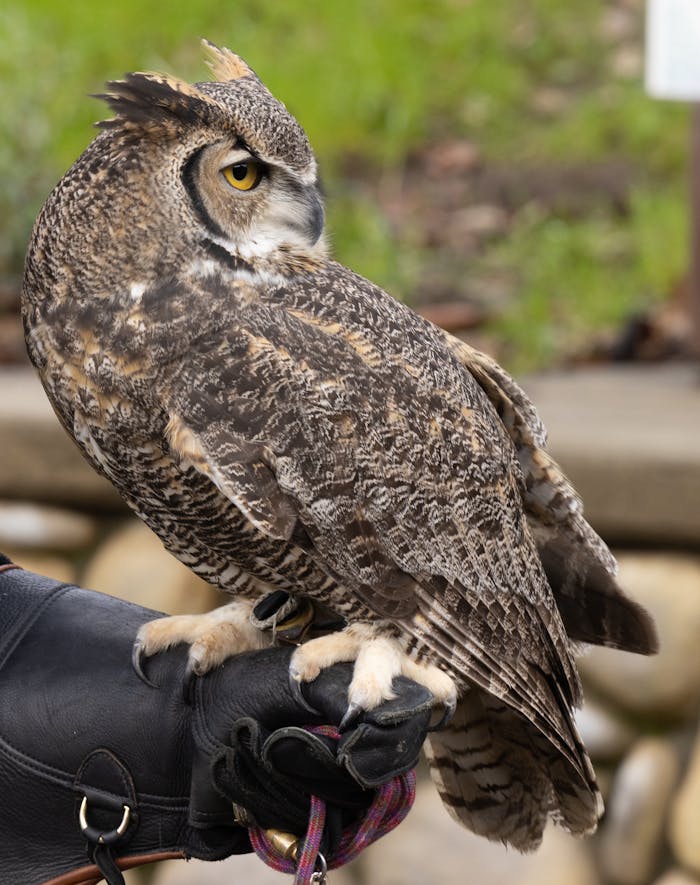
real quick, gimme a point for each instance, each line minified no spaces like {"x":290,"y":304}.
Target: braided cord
{"x":391,"y":804}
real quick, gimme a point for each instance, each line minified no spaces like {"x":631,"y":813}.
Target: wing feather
{"x":241,"y":472}
{"x":580,"y":568}
{"x":401,"y":473}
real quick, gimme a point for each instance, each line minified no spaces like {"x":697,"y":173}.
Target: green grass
{"x":574,"y":277}
{"x":377,"y":80}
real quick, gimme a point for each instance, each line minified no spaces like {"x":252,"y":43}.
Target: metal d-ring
{"x":319,"y":876}
{"x":102,"y":838}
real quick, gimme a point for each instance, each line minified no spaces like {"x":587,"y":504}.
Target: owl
{"x":282,"y":423}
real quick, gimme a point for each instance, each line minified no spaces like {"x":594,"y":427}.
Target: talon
{"x":294,"y":678}
{"x":352,"y":714}
{"x":448,"y":711}
{"x":189,"y":681}
{"x":138,"y":656}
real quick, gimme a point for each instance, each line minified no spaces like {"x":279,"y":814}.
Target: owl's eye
{"x":243,"y":176}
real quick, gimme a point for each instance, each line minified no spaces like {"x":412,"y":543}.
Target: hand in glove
{"x":88,"y":750}
{"x":269,"y":764}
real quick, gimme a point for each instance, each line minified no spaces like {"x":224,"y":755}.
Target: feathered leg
{"x":379,"y":656}
{"x":212,"y":637}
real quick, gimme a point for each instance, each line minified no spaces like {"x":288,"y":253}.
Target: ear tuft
{"x":224,"y":64}
{"x":150,"y":103}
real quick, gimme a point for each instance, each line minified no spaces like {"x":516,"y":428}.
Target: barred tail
{"x":501,"y":778}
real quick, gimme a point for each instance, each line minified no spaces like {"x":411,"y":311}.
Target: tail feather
{"x":591,"y":603}
{"x":532,"y":687}
{"x":501,"y":778}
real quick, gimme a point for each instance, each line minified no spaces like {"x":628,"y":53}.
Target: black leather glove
{"x":88,"y":750}
{"x":269,"y":765}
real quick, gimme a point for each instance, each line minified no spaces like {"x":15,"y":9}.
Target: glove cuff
{"x":90,"y":749}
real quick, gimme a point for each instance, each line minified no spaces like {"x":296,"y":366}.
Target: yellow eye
{"x":243,"y":176}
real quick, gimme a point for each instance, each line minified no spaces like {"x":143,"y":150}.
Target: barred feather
{"x":497,"y":775}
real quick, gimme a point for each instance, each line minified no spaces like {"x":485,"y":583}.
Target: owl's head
{"x":218,"y":168}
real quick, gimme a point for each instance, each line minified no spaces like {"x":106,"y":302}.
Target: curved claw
{"x":138,"y":656}
{"x":296,"y":692}
{"x":189,"y":681}
{"x":448,"y":711}
{"x":352,"y":714}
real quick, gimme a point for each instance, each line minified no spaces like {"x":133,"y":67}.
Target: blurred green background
{"x":532,"y":111}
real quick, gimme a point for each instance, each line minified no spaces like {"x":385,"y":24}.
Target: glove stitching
{"x":66,"y":779}
{"x":48,"y":772}
{"x":94,"y":759}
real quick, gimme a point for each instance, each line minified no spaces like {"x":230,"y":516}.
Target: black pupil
{"x":239,"y":171}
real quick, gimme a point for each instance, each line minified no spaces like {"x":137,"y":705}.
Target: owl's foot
{"x":378,"y":657}
{"x":212,"y":637}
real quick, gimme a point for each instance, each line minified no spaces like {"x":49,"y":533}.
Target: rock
{"x":39,"y":460}
{"x":430,"y":847}
{"x":550,"y":101}
{"x":605,"y":735}
{"x":627,"y":438}
{"x":618,"y":24}
{"x":464,"y":229}
{"x":246,"y":869}
{"x":134,"y":565}
{"x":38,"y":527}
{"x":676,"y":877}
{"x":634,"y":825}
{"x":52,"y":566}
{"x":684,"y":830}
{"x":667,"y":684}
{"x":604,"y":775}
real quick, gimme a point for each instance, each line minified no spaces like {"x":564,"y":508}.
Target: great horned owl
{"x":281,"y":422}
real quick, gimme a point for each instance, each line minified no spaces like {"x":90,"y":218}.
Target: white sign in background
{"x":673,"y":49}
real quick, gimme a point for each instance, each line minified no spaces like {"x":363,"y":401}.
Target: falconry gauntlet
{"x":101,"y":772}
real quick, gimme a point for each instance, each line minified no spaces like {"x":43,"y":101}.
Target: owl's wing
{"x":404,"y":490}
{"x":346,"y":426}
{"x":578,"y":564}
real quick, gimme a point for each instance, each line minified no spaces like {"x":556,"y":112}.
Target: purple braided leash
{"x":390,"y":806}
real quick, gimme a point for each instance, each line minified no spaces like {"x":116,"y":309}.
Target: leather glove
{"x":272,"y":769}
{"x":88,"y":750}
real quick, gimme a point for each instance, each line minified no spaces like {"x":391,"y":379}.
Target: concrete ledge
{"x":38,"y":460}
{"x":629,"y":439}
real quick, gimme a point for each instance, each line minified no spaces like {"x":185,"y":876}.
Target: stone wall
{"x":640,"y":720}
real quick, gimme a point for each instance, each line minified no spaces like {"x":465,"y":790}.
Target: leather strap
{"x":90,"y":875}
{"x":108,"y":811}
{"x":102,"y":855}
